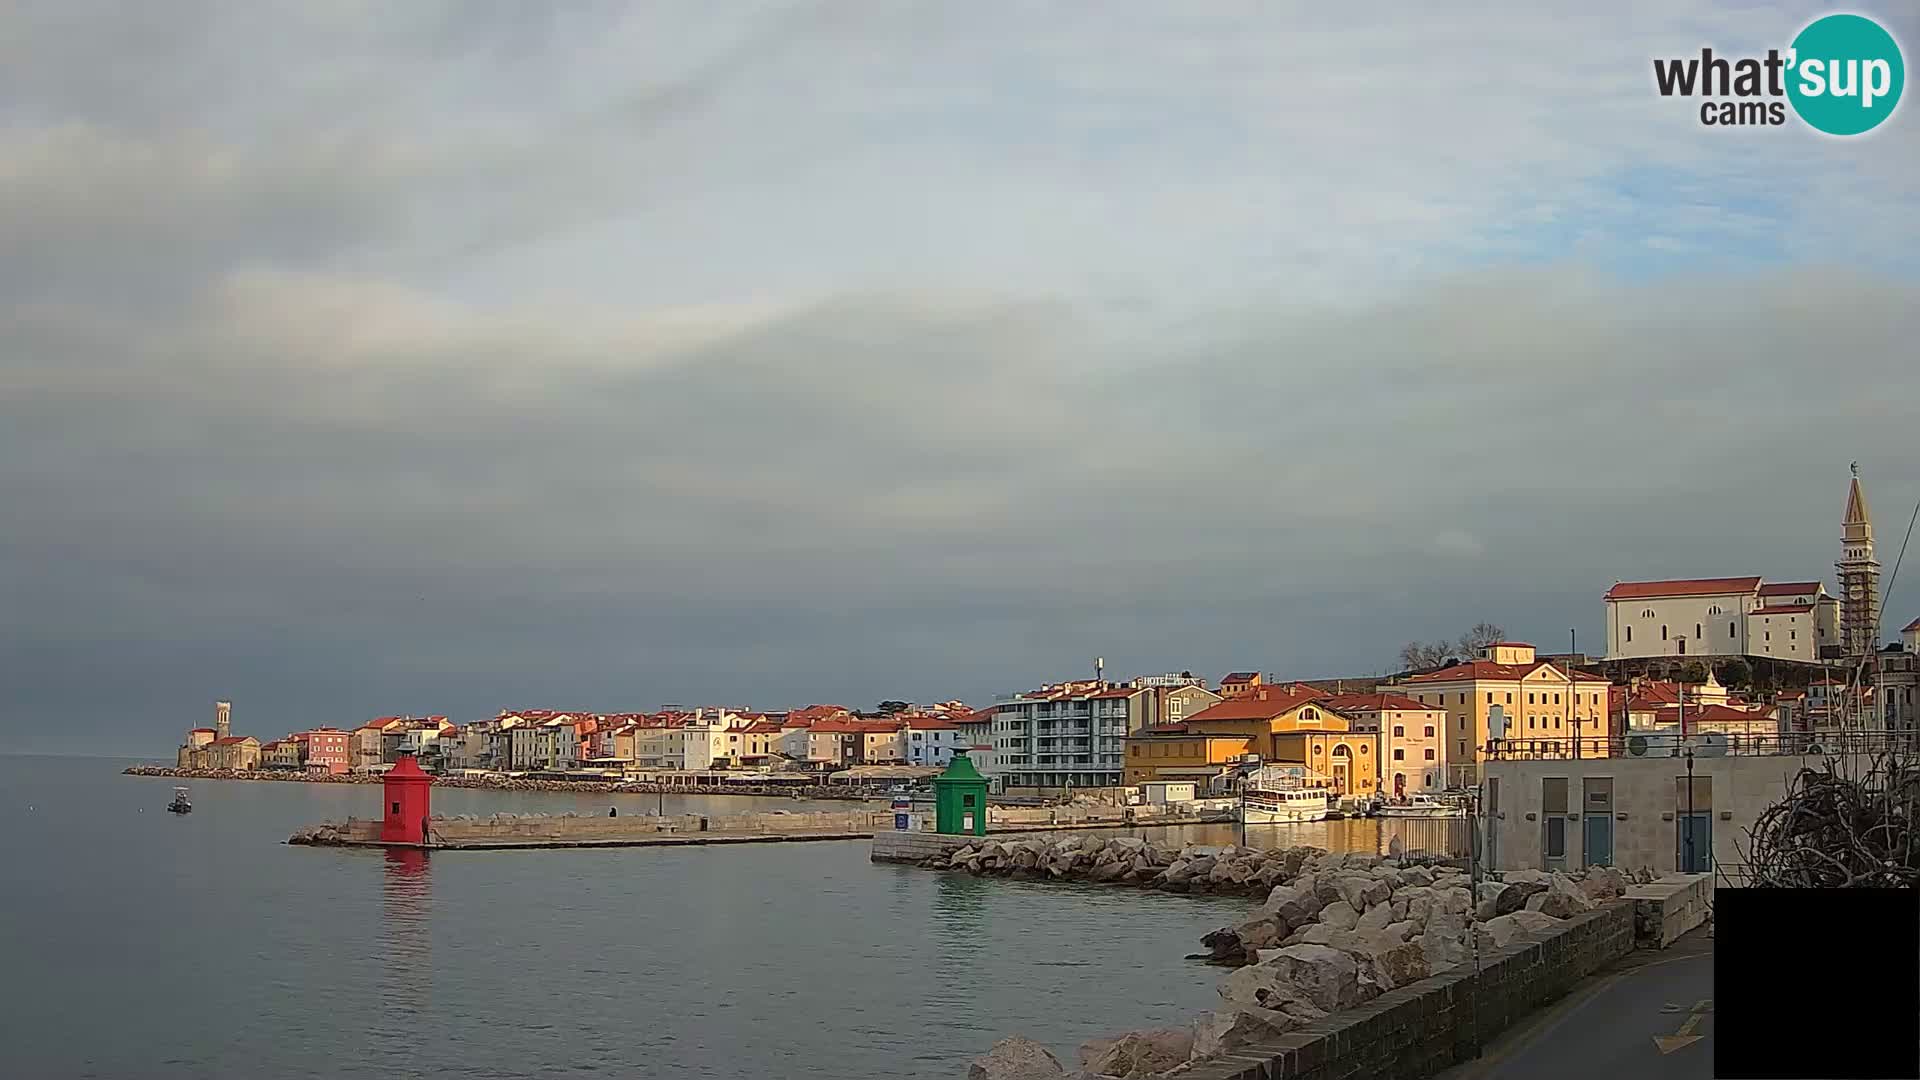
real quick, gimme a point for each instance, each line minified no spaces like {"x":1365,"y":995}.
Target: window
{"x":1429,"y":753}
{"x":396,"y":808}
{"x":1509,"y":697}
{"x":1714,"y":610}
{"x":1556,"y":699}
{"x":1730,"y":632}
{"x":1463,"y":748}
{"x":1663,"y":631}
{"x":1134,"y":751}
{"x":1629,"y":633}
{"x":1429,"y":731}
{"x":1530,"y":699}
{"x":1696,"y":630}
{"x":1489,"y":697}
{"x":1364,"y":748}
{"x":1768,"y":635}
{"x":1646,"y":613}
{"x":1463,"y":699}
{"x":1793,"y":635}
{"x":1400,"y":731}
{"x":1530,"y":723}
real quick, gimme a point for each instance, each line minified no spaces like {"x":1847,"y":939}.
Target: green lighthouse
{"x":960,"y":798}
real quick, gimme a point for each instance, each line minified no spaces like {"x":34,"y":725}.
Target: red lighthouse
{"x":409,"y":802}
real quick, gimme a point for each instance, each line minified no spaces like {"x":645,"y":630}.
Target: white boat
{"x":1275,"y":797}
{"x":1422,"y":806}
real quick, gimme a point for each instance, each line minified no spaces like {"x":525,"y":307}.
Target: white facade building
{"x":1066,"y":735}
{"x":931,"y":742}
{"x":1709,"y":617}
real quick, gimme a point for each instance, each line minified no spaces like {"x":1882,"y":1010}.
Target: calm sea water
{"x":135,"y":943}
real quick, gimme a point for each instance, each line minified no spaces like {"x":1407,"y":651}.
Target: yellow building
{"x":1543,"y":704}
{"x":1281,"y":726}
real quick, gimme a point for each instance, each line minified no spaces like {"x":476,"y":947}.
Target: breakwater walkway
{"x":501,"y":832}
{"x":837,"y":792}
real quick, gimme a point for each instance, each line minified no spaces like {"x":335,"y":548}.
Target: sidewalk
{"x":1650,"y":1017}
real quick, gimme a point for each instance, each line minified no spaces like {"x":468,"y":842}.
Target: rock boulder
{"x":1016,"y":1058}
{"x":1137,"y":1053}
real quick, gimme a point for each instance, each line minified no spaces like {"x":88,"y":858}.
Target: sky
{"x":364,"y":359}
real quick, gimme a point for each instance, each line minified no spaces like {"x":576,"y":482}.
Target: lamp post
{"x":1573,"y":715}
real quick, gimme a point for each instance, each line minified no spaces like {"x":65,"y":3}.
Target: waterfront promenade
{"x":1650,"y":1016}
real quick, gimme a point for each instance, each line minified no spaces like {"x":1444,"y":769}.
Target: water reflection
{"x":406,"y":932}
{"x":1446,"y":836}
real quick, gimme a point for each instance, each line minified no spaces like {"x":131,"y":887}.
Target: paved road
{"x":1650,"y":1018}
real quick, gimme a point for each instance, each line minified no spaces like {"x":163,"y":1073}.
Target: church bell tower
{"x":1859,"y":575}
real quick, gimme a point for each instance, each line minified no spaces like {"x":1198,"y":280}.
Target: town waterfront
{"x":221,"y":951}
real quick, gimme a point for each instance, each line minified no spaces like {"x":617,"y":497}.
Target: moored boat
{"x":1422,"y":806}
{"x":180,"y":803}
{"x":1276,"y":797}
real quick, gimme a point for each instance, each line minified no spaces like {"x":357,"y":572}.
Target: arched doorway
{"x":1342,"y":768}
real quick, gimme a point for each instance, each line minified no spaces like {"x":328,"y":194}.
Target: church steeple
{"x":1859,"y":575}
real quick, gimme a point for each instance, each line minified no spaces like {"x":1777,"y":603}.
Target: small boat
{"x":1275,"y":797}
{"x":1422,"y":806}
{"x":180,"y":803}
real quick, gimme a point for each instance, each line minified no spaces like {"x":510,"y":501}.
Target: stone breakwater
{"x":1333,"y":932}
{"x":521,"y":783}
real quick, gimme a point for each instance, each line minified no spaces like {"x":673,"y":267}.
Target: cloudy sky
{"x":364,"y":358}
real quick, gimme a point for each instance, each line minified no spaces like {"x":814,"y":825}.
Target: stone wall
{"x":1671,"y":906}
{"x":917,"y":847}
{"x":1424,"y":1027}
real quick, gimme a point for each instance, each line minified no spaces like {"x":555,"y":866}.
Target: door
{"x":1490,"y":817}
{"x":1554,"y":844}
{"x":1696,"y":843}
{"x":1599,"y":839}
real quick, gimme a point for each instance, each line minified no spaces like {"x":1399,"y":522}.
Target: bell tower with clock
{"x":1859,"y":575}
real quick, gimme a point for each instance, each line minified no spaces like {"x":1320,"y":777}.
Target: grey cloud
{"x":503,"y":356}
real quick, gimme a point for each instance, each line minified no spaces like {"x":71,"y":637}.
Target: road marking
{"x":1685,"y":1037}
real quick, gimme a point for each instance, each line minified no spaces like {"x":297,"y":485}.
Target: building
{"x":1066,"y":735}
{"x":1239,"y":684}
{"x":1708,"y":617}
{"x":280,"y":754}
{"x":931,"y":741}
{"x":1859,"y":575}
{"x":200,"y":748}
{"x":1539,"y":701}
{"x":1411,"y":745}
{"x":239,"y":753}
{"x":1276,"y":725}
{"x":324,"y":750}
{"x":1910,"y":637}
{"x":1172,"y":704}
{"x":1637,"y":811}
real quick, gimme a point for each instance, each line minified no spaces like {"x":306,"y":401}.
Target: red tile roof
{"x":1789,"y":588}
{"x":208,"y":730}
{"x":1911,"y":627}
{"x":1671,"y":714}
{"x":1378,"y":702}
{"x":1510,"y":645}
{"x":1117,"y":692}
{"x":928,"y":723}
{"x":1240,"y":677}
{"x":1264,"y":703}
{"x":1489,"y":671}
{"x":1649,"y":590}
{"x":763,"y":727}
{"x":232,"y":740}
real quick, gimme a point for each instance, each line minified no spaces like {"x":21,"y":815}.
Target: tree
{"x":1693,"y":671}
{"x":890,"y":707}
{"x":1479,"y":637}
{"x":1735,"y":674}
{"x":1421,"y":655}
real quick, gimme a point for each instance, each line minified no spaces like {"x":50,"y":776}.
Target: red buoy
{"x":409,"y":803}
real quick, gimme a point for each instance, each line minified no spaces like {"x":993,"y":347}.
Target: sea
{"x":137,"y":943}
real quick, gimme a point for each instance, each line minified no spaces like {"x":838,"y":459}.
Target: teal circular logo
{"x":1845,"y":74}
